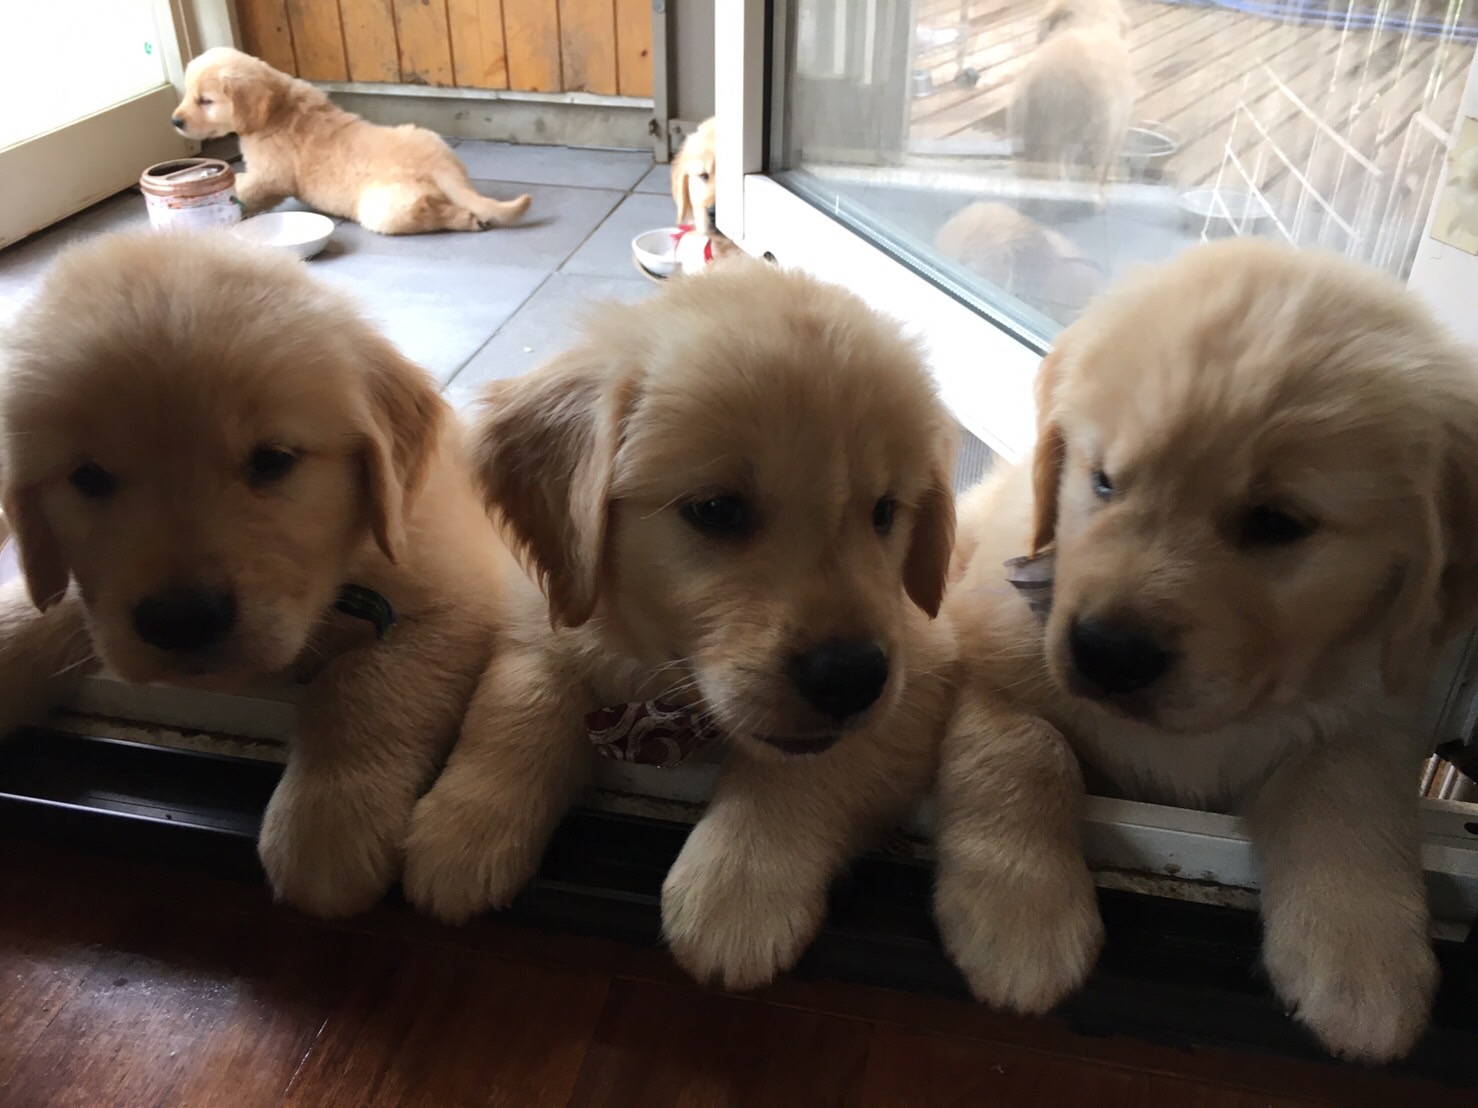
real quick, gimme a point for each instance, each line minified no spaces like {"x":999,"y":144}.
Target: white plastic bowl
{"x":656,"y":252}
{"x":1224,"y":212}
{"x":304,"y":233}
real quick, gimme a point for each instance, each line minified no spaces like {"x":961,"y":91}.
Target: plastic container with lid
{"x":190,"y":193}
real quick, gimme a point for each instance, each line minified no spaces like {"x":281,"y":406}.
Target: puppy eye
{"x":717,"y":515}
{"x":93,"y":481}
{"x":203,"y":102}
{"x":1103,"y":488}
{"x":1265,"y":525}
{"x":268,"y":465}
{"x":704,"y":175}
{"x":882,"y":515}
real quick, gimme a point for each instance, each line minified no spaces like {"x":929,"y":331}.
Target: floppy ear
{"x":46,"y":570}
{"x":1438,"y":598}
{"x":405,"y":419}
{"x":544,"y":449}
{"x":680,"y":198}
{"x":926,"y":568}
{"x":1047,"y":458}
{"x":250,"y":92}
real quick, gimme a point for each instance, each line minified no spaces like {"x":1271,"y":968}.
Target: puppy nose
{"x":185,"y":618}
{"x":1116,"y":658}
{"x":842,"y":677}
{"x":177,"y":120}
{"x":712,"y":212}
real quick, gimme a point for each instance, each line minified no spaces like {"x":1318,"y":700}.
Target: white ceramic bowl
{"x":304,"y":233}
{"x":655,"y":252}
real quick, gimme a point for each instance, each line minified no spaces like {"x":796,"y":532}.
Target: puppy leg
{"x":1014,"y":899}
{"x":371,"y":731}
{"x":1344,"y":901}
{"x":487,"y":213}
{"x":258,"y":193}
{"x":43,"y":655}
{"x":523,"y":756}
{"x":747,"y":893}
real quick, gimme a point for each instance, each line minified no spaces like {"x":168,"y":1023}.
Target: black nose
{"x":1116,"y":658}
{"x":177,"y":120}
{"x":842,"y":677}
{"x":185,"y":618}
{"x":712,"y":212}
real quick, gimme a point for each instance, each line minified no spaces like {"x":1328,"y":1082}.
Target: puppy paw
{"x":1024,"y":943}
{"x":462,"y":859}
{"x":735,"y":921}
{"x":1363,"y":984}
{"x":330,"y":849}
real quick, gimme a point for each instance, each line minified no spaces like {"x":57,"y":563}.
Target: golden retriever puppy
{"x":695,"y":186}
{"x":392,"y":180}
{"x":1016,"y":253}
{"x":217,"y":471}
{"x":737,"y":497}
{"x":1252,"y":516}
{"x":1072,"y":103}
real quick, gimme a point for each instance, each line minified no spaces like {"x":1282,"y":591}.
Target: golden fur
{"x":1266,"y":461}
{"x":191,"y":413}
{"x":393,"y":180}
{"x":1072,"y":103}
{"x":1016,"y":253}
{"x":744,"y":382}
{"x":695,"y":186}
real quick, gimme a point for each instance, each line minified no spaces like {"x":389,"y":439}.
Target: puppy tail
{"x":489,"y":212}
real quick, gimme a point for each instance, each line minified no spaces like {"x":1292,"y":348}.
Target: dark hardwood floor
{"x":132,"y":984}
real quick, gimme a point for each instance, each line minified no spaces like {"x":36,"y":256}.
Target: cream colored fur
{"x":1017,"y":254}
{"x":744,"y":381}
{"x":167,"y":363}
{"x":1240,"y":378}
{"x":393,"y":180}
{"x":1072,"y":103}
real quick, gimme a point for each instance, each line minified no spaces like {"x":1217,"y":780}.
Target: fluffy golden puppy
{"x":1072,"y":103}
{"x":392,"y":180}
{"x":737,"y":497}
{"x":1016,"y":253}
{"x":1255,"y":498}
{"x":202,"y":447}
{"x":694,"y":179}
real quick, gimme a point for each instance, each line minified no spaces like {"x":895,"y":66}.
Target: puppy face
{"x":694,"y":183}
{"x":1259,"y":494}
{"x":203,"y":438}
{"x":226,"y":92}
{"x":746,"y":479}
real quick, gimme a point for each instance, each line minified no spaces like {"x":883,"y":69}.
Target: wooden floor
{"x":134,"y":985}
{"x":1343,"y":131}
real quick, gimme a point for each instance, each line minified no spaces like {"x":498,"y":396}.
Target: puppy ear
{"x":1438,"y":598}
{"x":544,"y":450}
{"x":46,"y":570}
{"x":405,"y":420}
{"x":250,"y":94}
{"x":680,"y":198}
{"x":1047,"y":458}
{"x":926,"y":568}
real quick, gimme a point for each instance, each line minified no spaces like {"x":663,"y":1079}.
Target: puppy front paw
{"x":330,"y":848}
{"x":1363,"y":982}
{"x":736,"y":921}
{"x":1022,"y":943}
{"x":462,"y":859}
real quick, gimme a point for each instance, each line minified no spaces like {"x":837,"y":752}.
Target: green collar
{"x":366,"y":604}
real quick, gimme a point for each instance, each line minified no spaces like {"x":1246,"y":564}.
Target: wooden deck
{"x":1343,"y":132}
